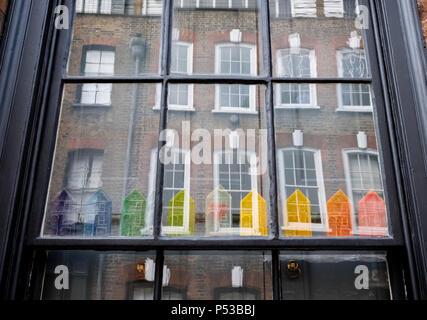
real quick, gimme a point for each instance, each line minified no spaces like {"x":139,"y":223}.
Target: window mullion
{"x":275,"y":267}
{"x":168,"y":6}
{"x":269,"y":107}
{"x":165,"y":63}
{"x":158,"y":278}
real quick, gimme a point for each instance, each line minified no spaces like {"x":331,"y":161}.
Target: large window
{"x":236,"y":154}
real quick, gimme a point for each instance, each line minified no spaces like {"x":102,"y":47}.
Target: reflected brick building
{"x":108,"y":133}
{"x":286,"y":133}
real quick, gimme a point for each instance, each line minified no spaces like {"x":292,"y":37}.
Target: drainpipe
{"x":138,"y":47}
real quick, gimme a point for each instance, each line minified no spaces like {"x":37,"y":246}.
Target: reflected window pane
{"x":302,"y":179}
{"x":219,"y":186}
{"x":329,"y":176}
{"x":131,"y":29}
{"x":100,"y":275}
{"x":334,"y":276}
{"x":102,"y":169}
{"x":364,"y":176}
{"x":230,"y":47}
{"x":302,"y":26}
{"x":218,"y":275}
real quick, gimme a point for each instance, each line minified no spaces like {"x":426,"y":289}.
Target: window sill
{"x":355,"y":109}
{"x":87,"y":105}
{"x":234,"y":111}
{"x":312,"y":228}
{"x":178,"y":109}
{"x":295,"y":107}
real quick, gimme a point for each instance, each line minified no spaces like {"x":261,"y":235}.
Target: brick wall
{"x":3,"y":8}
{"x":422,"y":4}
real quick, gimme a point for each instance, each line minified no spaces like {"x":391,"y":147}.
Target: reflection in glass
{"x":334,"y":276}
{"x":101,"y":175}
{"x":306,"y":34}
{"x":219,"y":275}
{"x":215,"y":177}
{"x":353,"y":97}
{"x":329,"y":172}
{"x":224,"y":34}
{"x":99,"y":276}
{"x":113,"y":37}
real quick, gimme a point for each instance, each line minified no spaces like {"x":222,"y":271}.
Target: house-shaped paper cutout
{"x":132,"y":220}
{"x":253,"y":215}
{"x":97,"y":218}
{"x":298,"y":216}
{"x":339,"y":215}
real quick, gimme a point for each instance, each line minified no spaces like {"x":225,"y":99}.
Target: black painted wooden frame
{"x":31,"y":83}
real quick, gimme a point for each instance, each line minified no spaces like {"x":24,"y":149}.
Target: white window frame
{"x":313,"y":73}
{"x":154,"y":11}
{"x":339,"y":14}
{"x":349,"y":185}
{"x":341,"y":107}
{"x":312,"y":14}
{"x":252,"y":88}
{"x":254,"y":185}
{"x":190,"y":105}
{"x":185,"y":229}
{"x":230,"y":4}
{"x":308,"y":14}
{"x":110,"y":85}
{"x":315,"y":227}
{"x":87,"y":153}
{"x":80,"y":7}
{"x":178,"y":107}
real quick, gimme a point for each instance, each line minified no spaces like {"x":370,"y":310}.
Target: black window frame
{"x":25,"y":209}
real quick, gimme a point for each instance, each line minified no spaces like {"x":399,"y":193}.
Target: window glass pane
{"x":225,"y":40}
{"x":221,"y":185}
{"x":103,"y":164}
{"x":95,"y":275}
{"x":219,"y":275}
{"x":134,"y":34}
{"x":334,"y":276}
{"x":307,"y":35}
{"x":329,"y":175}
